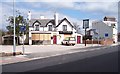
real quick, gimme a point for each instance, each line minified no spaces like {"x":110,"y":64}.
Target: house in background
{"x":51,"y":31}
{"x":106,"y":29}
{"x":1,"y":40}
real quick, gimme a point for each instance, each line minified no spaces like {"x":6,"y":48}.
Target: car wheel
{"x":66,"y":43}
{"x":73,"y":44}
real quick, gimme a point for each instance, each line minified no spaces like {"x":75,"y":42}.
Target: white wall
{"x":60,"y":38}
{"x":60,"y":27}
{"x":31,"y":28}
{"x":115,"y":29}
{"x":102,"y":28}
{"x":30,"y":38}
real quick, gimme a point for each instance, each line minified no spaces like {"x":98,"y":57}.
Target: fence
{"x":102,"y":42}
{"x":91,"y":42}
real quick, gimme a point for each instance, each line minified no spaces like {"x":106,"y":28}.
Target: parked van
{"x":69,"y":41}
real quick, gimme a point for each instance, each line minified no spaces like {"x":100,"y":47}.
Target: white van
{"x":69,"y":41}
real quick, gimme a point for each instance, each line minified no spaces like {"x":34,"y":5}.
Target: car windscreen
{"x":67,"y":38}
{"x":72,"y":38}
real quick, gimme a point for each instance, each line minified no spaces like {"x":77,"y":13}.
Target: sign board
{"x":106,"y":34}
{"x":22,"y":28}
{"x":85,"y":23}
{"x":92,"y":33}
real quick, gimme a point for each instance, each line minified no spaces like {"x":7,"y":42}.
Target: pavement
{"x":33,"y":52}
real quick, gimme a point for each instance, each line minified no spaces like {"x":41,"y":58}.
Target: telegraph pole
{"x":14,"y":46}
{"x":85,"y":36}
{"x":23,"y":44}
{"x":85,"y":26}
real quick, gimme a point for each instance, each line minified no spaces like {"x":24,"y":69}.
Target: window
{"x":36,"y":27}
{"x":72,"y":38}
{"x":64,"y":27}
{"x":50,"y":28}
{"x":113,"y":25}
{"x":67,"y":38}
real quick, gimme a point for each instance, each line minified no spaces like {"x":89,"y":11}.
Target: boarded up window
{"x":41,"y":36}
{"x":35,"y":37}
{"x":47,"y":36}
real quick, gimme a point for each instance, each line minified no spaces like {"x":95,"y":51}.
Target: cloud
{"x":110,"y":8}
{"x":95,"y":7}
{"x":37,"y":8}
{"x":107,"y":7}
{"x":6,"y":12}
{"x":62,"y":0}
{"x":84,"y":5}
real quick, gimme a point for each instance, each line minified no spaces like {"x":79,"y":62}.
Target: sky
{"x":75,"y":11}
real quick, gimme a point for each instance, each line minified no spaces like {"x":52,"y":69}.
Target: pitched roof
{"x":64,"y":20}
{"x":109,"y":17}
{"x":44,"y":22}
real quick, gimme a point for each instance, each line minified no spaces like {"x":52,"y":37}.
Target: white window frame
{"x":49,"y":28}
{"x":64,"y":28}
{"x":36,"y":25}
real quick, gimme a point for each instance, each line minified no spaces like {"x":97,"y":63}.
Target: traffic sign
{"x":106,"y":34}
{"x":22,"y":28}
{"x":85,"y":23}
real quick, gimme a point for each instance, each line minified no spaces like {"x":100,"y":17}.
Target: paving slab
{"x":43,"y":51}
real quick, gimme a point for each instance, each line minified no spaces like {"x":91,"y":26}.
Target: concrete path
{"x":43,"y":51}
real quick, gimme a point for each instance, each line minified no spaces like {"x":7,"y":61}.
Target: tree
{"x":18,"y":20}
{"x":76,"y":27}
{"x":2,"y":32}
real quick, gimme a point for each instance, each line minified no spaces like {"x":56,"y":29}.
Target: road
{"x":102,"y":63}
{"x":102,"y":60}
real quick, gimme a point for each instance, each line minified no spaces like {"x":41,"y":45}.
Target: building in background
{"x":51,"y":31}
{"x":106,"y":29}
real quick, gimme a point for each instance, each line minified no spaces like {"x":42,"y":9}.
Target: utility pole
{"x":23,"y":44}
{"x":14,"y":46}
{"x":85,"y":26}
{"x":22,"y":29}
{"x":85,"y":36}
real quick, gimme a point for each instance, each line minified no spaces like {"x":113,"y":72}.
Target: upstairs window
{"x":36,"y":27}
{"x":64,"y":27}
{"x":113,"y":25}
{"x":50,"y":28}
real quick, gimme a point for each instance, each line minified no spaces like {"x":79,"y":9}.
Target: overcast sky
{"x":75,"y":11}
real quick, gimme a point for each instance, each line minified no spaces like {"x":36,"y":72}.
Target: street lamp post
{"x":85,"y":36}
{"x":98,"y":38}
{"x":85,"y":26}
{"x":14,"y":46}
{"x":23,"y":43}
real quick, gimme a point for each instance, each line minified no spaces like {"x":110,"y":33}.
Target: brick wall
{"x":102,"y":42}
{"x":106,"y":42}
{"x":91,"y":42}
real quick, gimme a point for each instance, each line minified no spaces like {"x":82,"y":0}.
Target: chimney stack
{"x":29,"y":15}
{"x":42,"y":17}
{"x":56,"y":18}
